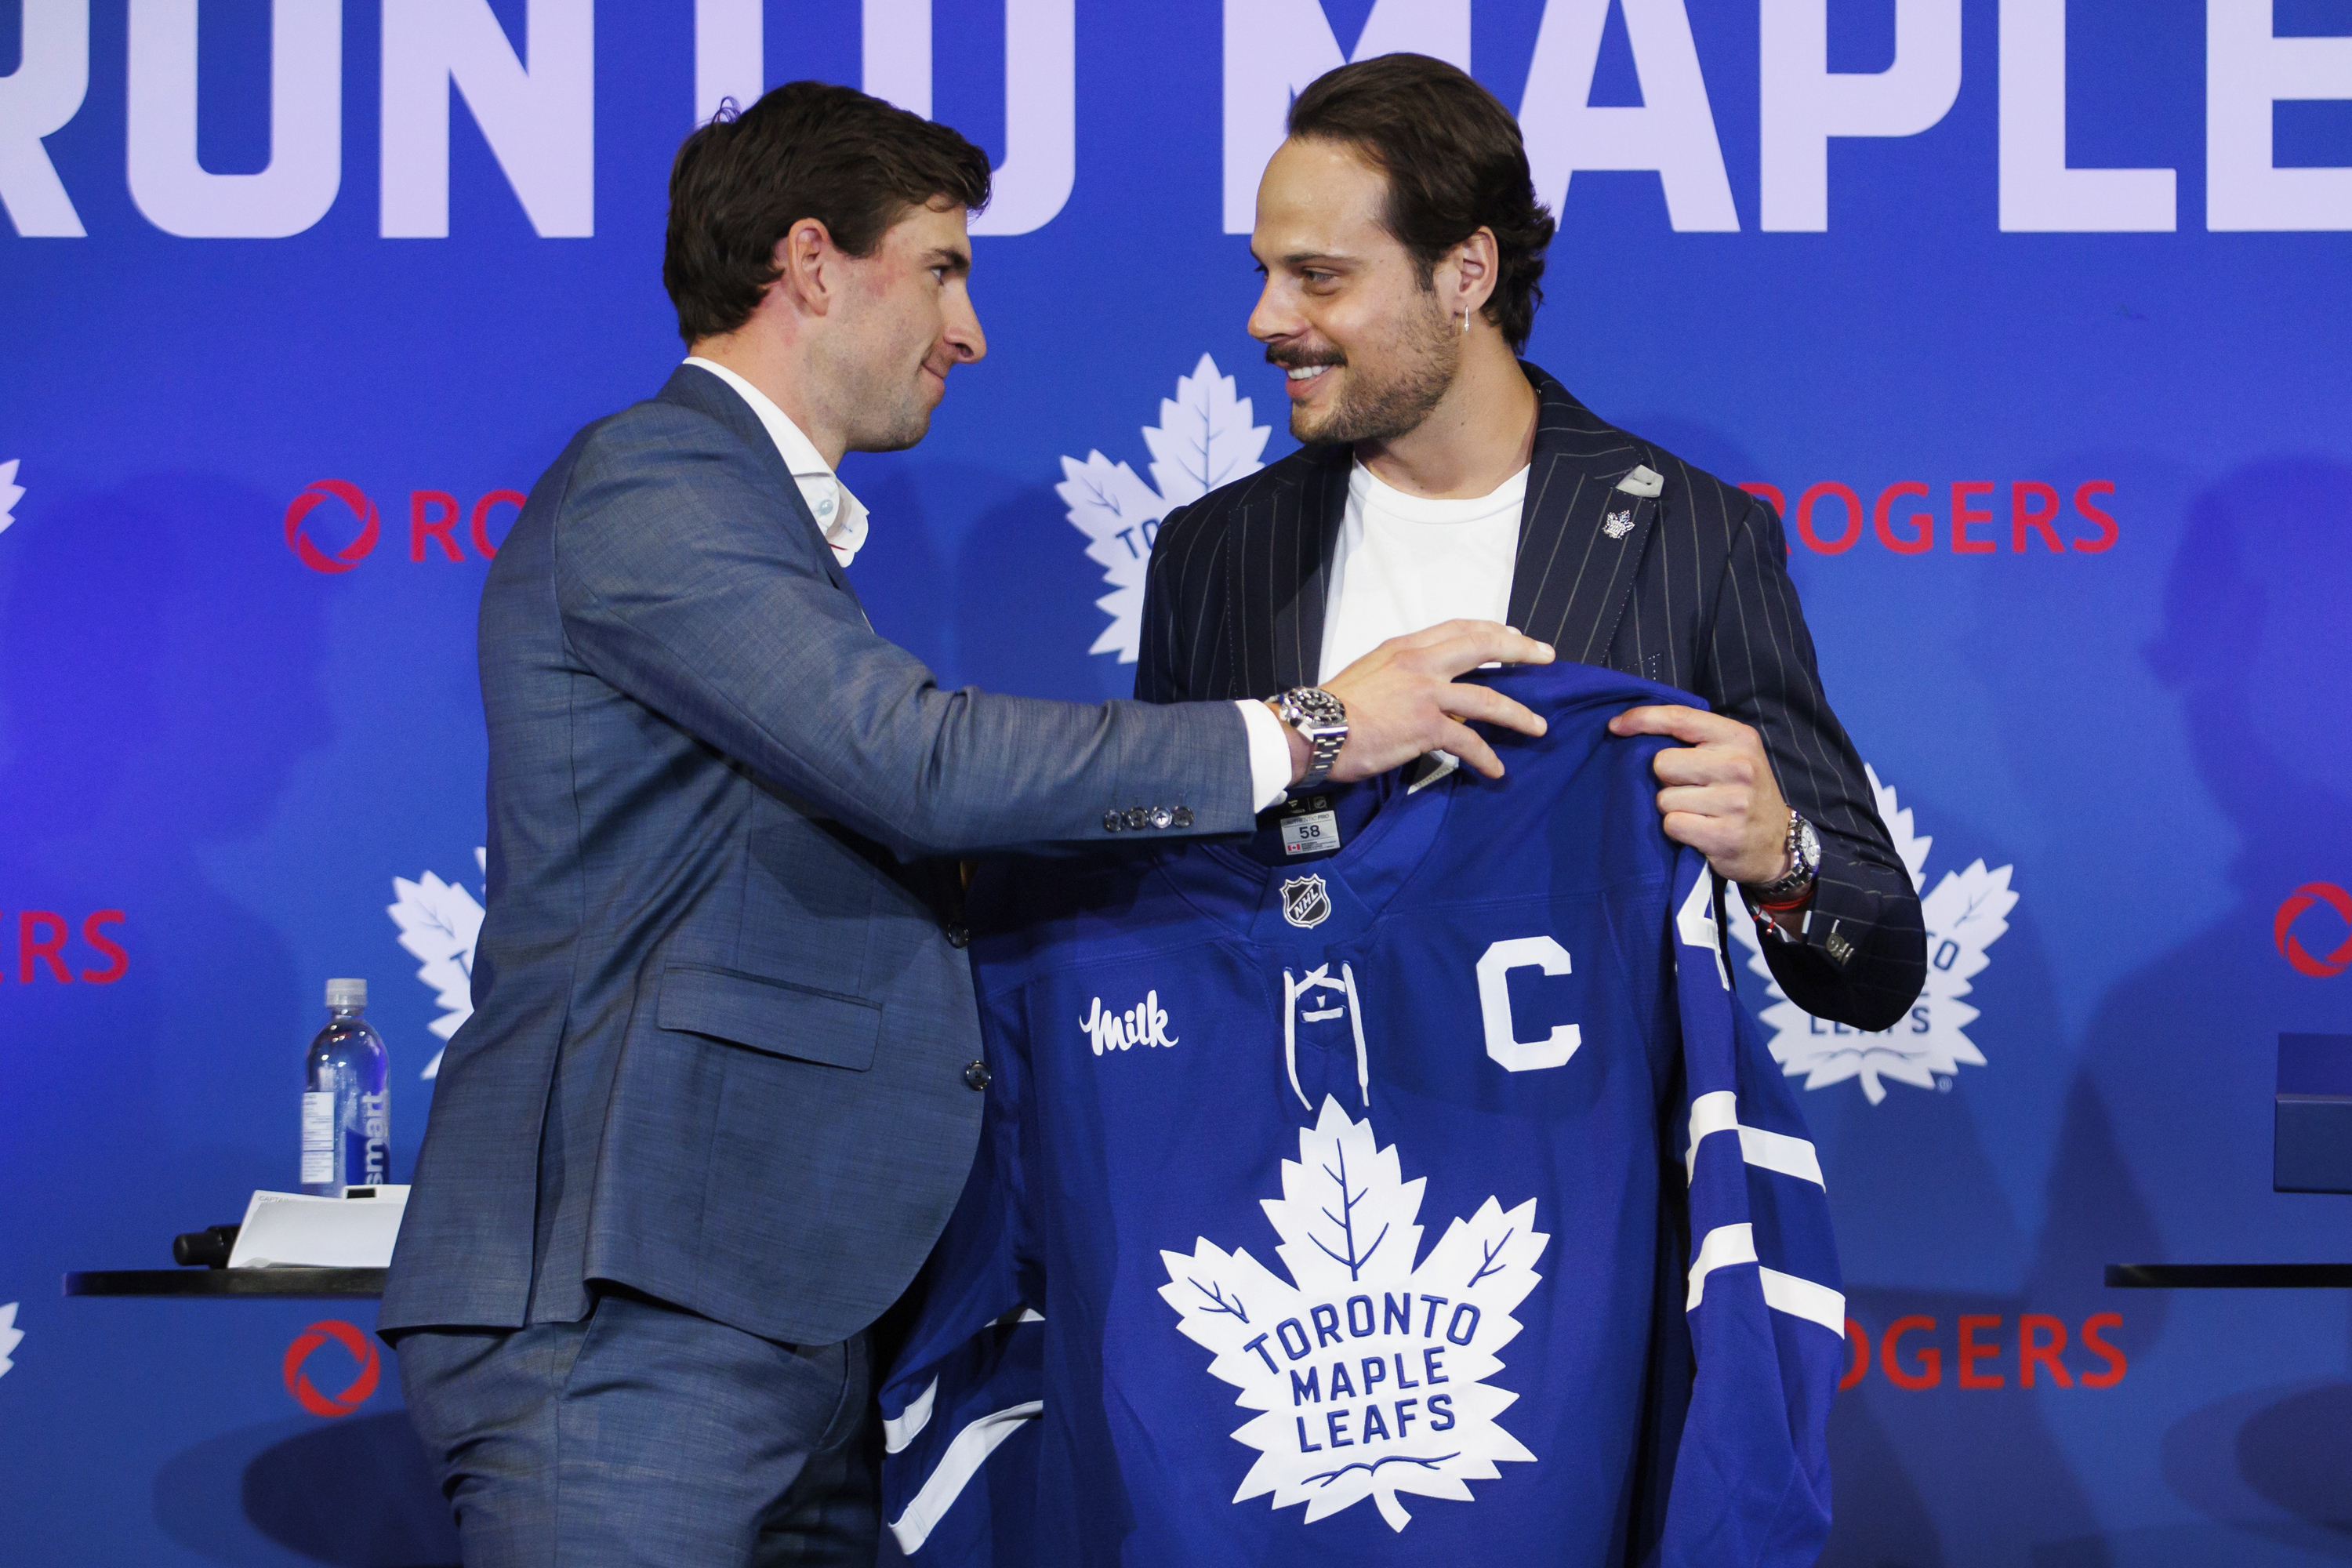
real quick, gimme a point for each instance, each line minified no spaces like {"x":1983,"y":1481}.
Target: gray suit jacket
{"x":721,"y":1012}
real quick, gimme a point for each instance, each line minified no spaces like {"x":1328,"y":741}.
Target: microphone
{"x":208,"y":1248}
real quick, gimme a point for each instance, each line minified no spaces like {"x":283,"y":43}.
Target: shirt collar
{"x":840,"y":515}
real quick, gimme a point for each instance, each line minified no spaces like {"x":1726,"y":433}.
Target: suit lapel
{"x":1287,"y":534}
{"x":691,"y":386}
{"x":1580,"y":537}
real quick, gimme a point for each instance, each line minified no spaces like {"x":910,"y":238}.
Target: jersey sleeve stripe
{"x":964,"y":1456}
{"x":1720,"y":1112}
{"x":1803,"y":1299}
{"x":1724,"y":1247}
{"x":903,"y":1428}
{"x":1728,"y":1246}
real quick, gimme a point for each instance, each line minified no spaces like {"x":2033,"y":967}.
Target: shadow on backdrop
{"x":2176,"y":1079}
{"x":354,"y":1493}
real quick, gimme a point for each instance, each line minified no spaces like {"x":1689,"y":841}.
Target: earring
{"x":1465,"y":320}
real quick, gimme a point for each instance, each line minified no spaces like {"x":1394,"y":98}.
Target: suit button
{"x":1137,"y":817}
{"x":1182,"y":816}
{"x":959,"y":935}
{"x":977,"y":1076}
{"x":1113,"y":822}
{"x":1161,"y":816}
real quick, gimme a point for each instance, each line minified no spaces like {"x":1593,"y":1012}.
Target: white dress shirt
{"x":843,"y":519}
{"x":840,"y":515}
{"x":1405,"y":563}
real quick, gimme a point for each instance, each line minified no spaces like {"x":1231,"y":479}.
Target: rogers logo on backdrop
{"x":41,"y":938}
{"x":1911,"y":1351}
{"x":307,"y":1344}
{"x":2282,"y":930}
{"x":435,"y":518}
{"x":1831,"y":517}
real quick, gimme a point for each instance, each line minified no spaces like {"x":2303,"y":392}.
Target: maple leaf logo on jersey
{"x":439,"y":923}
{"x":11,"y":1336}
{"x":1369,"y":1372}
{"x":11,"y":493}
{"x":1965,"y":915}
{"x":1204,"y":440}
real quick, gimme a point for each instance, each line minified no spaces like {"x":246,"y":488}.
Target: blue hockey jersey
{"x":1430,"y":1199}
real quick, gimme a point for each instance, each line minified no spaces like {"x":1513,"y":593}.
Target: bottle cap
{"x":346,"y":993}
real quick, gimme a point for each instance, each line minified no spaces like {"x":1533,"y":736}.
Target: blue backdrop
{"x":2035,"y":322}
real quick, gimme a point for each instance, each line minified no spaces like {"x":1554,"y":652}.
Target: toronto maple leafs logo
{"x":1204,"y":440}
{"x":1618,"y":523}
{"x":1367,"y":1372}
{"x":11,"y":1336}
{"x":1965,"y":915}
{"x":11,"y":493}
{"x":439,"y":923}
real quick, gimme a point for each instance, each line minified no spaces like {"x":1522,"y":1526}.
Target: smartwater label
{"x":318,"y":1138}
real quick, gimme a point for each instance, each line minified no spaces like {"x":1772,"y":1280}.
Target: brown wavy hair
{"x":1455,"y":164}
{"x":808,"y":149}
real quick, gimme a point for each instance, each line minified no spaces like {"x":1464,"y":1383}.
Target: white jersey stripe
{"x":964,"y":1456}
{"x":1725,"y":1245}
{"x":903,"y":1428}
{"x":1803,"y":1299}
{"x":1728,"y":1246}
{"x":1720,"y":1112}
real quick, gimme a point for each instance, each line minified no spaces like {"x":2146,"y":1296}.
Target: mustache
{"x":1294,"y":356}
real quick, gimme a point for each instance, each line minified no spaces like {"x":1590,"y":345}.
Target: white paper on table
{"x":296,"y":1230}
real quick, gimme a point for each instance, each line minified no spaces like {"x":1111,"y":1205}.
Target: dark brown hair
{"x":806,"y":149}
{"x":1455,"y":164}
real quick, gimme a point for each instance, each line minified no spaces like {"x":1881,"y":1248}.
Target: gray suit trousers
{"x":645,"y":1437}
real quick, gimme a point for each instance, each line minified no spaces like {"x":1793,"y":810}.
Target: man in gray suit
{"x":723,"y":1077}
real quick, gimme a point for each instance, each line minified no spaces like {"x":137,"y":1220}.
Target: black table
{"x":2230,"y":1276}
{"x":281,"y":1284}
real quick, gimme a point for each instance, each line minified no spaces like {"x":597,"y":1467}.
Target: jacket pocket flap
{"x":772,"y":1016}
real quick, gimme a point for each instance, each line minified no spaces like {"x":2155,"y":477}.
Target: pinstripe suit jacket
{"x":1689,"y":590}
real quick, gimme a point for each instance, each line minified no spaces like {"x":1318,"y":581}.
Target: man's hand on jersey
{"x":1720,"y":797}
{"x":1404,"y":701}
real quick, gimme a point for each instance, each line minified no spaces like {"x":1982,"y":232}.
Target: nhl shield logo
{"x":1305,"y":901}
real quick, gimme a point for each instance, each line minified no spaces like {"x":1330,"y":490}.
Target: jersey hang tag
{"x":1310,"y":825}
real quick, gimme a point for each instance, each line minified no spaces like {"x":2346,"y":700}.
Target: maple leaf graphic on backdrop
{"x":1965,"y":914}
{"x":1204,"y":439}
{"x":11,"y":493}
{"x":439,"y":923}
{"x":1348,"y":1238}
{"x":11,"y":1336}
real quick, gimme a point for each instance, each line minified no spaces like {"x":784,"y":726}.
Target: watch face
{"x":1319,"y":705}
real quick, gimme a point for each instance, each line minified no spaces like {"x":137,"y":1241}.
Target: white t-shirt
{"x":1405,"y":563}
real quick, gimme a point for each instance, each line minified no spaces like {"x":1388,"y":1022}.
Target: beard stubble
{"x":1382,"y":405}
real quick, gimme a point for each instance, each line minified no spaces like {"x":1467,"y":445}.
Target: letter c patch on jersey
{"x":1503,"y":1043}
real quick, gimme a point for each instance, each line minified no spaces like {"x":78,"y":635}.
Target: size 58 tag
{"x":1311,"y":833}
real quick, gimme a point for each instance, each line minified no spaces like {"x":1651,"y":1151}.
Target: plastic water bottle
{"x":346,"y":1099}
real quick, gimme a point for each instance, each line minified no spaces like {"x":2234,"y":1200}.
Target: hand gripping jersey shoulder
{"x":1431,"y":1194}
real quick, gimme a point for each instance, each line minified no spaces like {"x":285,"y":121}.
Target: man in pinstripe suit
{"x":1443,"y":477}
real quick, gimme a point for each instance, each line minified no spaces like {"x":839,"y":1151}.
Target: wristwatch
{"x":1804,"y":848}
{"x":1321,"y":719}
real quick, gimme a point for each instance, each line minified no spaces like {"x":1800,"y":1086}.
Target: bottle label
{"x":375,"y":1123}
{"x":318,"y":1138}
